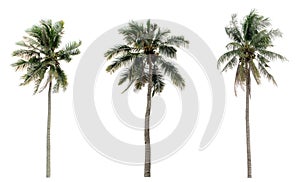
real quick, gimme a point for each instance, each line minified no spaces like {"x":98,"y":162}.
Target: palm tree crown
{"x":144,"y":42}
{"x":249,"y":48}
{"x":39,"y":55}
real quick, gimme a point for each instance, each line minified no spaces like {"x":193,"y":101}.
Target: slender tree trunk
{"x":48,"y":167}
{"x":147,"y":168}
{"x":248,"y":89}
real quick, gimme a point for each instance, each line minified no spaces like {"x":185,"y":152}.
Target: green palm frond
{"x":45,"y":84}
{"x":26,"y":53}
{"x":240,"y":78}
{"x":266,"y":74}
{"x":170,"y":70}
{"x":39,"y":79}
{"x":135,"y":71}
{"x":140,"y":82}
{"x":161,"y":35}
{"x":124,"y":76}
{"x":117,"y":50}
{"x":61,"y":80}
{"x":228,"y":56}
{"x":261,"y":40}
{"x":168,"y":51}
{"x":262,"y":60}
{"x":33,"y":72}
{"x":271,"y":55}
{"x":158,"y":83}
{"x":57,"y":31}
{"x":253,"y":23}
{"x":254,"y":72}
{"x":70,"y":49}
{"x":234,"y":46}
{"x":132,"y":33}
{"x":178,"y":41}
{"x":21,"y":64}
{"x":123,"y":60}
{"x":230,"y":64}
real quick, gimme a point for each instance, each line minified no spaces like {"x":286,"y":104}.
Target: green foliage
{"x":144,"y":43}
{"x":40,"y":55}
{"x":248,"y":50}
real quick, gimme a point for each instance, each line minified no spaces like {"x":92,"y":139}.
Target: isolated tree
{"x":249,"y":53}
{"x":40,"y":57}
{"x":146,"y":57}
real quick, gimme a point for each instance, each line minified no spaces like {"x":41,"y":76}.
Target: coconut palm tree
{"x":40,"y":57}
{"x":146,"y":57}
{"x":249,"y":52}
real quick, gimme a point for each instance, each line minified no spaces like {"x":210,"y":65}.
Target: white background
{"x":274,"y":124}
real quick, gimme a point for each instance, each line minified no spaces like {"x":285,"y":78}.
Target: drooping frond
{"x":170,"y":70}
{"x":262,"y":60}
{"x":254,"y":72}
{"x":45,"y":84}
{"x":61,"y":79}
{"x":230,"y":64}
{"x":228,"y":56}
{"x":158,"y":82}
{"x":33,"y":72}
{"x":240,"y":78}
{"x":266,"y":74}
{"x":168,"y":51}
{"x":140,"y":82}
{"x":39,"y":79}
{"x":134,"y":72}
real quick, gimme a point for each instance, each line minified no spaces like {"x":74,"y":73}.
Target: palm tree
{"x":41,"y":58}
{"x":249,"y":53}
{"x":145,"y":55}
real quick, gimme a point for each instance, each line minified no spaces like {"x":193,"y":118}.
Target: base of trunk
{"x":147,"y":173}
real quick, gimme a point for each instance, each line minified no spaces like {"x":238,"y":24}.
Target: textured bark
{"x":147,"y":168}
{"x":48,"y":167}
{"x":248,"y":89}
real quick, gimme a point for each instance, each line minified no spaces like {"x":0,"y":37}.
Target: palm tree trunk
{"x":248,"y":88}
{"x":147,"y":167}
{"x":48,"y":167}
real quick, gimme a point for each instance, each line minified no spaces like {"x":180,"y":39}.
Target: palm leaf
{"x":115,"y":51}
{"x":265,"y":73}
{"x":170,"y":70}
{"x":168,"y":51}
{"x":232,"y":63}
{"x":254,"y":72}
{"x":228,"y":56}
